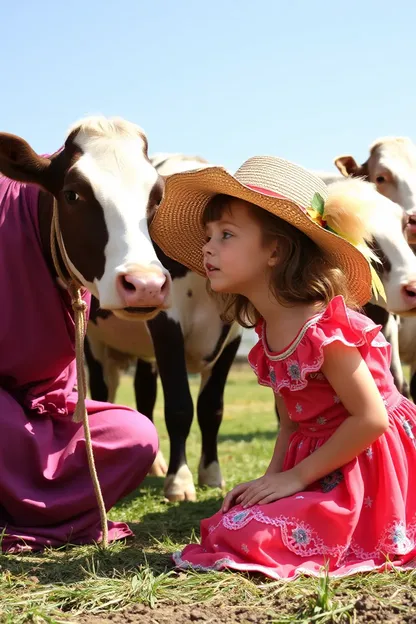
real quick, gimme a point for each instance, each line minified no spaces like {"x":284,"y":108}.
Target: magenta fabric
{"x":46,"y":494}
{"x":359,"y":518}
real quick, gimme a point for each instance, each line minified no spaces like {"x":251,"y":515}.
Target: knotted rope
{"x":79,"y":307}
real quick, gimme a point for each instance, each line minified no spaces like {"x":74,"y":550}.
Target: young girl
{"x":339,"y":494}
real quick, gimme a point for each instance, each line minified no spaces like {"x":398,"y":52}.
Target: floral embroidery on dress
{"x":331,"y":481}
{"x":239,"y":516}
{"x":302,"y":539}
{"x":272,"y":376}
{"x":212,"y":527}
{"x":398,"y":536}
{"x":396,"y":540}
{"x":336,"y":399}
{"x":293,"y":370}
{"x":237,"y":520}
{"x":298,"y":536}
{"x":408,"y":430}
{"x":368,"y":502}
{"x":321,"y":420}
{"x":301,"y":536}
{"x":369,"y":452}
{"x":299,"y":408}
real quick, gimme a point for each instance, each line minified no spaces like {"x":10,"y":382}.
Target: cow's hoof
{"x":180,"y":486}
{"x":211,"y":475}
{"x":160,"y":467}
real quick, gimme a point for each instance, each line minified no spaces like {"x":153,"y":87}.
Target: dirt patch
{"x":369,"y":609}
{"x":366,"y":609}
{"x":164,"y":614}
{"x":184,"y":614}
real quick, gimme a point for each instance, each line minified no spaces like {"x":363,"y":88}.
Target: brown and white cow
{"x":397,"y":271}
{"x":397,"y":266}
{"x":188,"y":338}
{"x":391,"y":166}
{"x":105,"y":187}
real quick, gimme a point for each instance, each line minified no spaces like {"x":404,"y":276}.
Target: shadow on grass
{"x":177,"y":521}
{"x":74,"y":564}
{"x":174,"y":522}
{"x":156,"y":537}
{"x":150,"y":487}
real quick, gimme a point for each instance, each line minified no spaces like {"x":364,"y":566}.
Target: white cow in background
{"x":391,"y":167}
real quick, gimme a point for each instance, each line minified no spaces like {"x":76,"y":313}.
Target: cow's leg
{"x":169,"y":348}
{"x":98,"y":386}
{"x":210,"y":411}
{"x":406,"y":390}
{"x":390,"y":329}
{"x":145,"y":390}
{"x":391,"y":333}
{"x":145,"y":387}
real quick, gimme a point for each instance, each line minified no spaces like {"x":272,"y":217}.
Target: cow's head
{"x":105,"y":188}
{"x":397,"y":267}
{"x":391,"y":166}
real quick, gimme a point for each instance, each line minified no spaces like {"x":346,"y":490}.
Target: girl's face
{"x":236,"y":258}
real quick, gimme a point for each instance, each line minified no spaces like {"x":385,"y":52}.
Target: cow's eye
{"x":71,"y":196}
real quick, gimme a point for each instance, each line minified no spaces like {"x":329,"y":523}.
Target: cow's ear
{"x":347,"y":165}
{"x":20,"y":162}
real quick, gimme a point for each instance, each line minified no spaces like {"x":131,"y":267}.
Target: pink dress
{"x":46,"y":493}
{"x":360,"y":517}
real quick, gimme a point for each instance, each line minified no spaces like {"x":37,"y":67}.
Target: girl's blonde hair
{"x":303,"y":274}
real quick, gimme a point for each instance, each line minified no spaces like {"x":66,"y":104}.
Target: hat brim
{"x":178,"y":230}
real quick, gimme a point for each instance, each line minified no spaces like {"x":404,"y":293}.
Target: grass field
{"x":135,"y":582}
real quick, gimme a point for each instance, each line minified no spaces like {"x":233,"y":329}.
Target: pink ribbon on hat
{"x":311,"y":212}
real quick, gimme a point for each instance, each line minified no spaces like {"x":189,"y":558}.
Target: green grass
{"x":62,"y":585}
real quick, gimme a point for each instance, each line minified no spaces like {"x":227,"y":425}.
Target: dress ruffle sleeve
{"x":305,"y":355}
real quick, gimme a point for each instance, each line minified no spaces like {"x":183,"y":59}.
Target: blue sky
{"x":225,"y":79}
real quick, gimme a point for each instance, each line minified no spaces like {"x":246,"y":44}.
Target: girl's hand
{"x":230,"y":499}
{"x":270,"y":488}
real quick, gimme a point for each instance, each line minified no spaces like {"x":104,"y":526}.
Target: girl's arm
{"x":286,"y":428}
{"x":354,"y":385}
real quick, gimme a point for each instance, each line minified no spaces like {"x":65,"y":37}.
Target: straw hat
{"x":281,"y":187}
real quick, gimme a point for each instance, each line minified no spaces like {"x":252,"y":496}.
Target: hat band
{"x":264,"y":191}
{"x":312,"y":213}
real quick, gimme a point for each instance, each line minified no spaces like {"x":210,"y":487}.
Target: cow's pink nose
{"x":409,"y":293}
{"x":142,"y":289}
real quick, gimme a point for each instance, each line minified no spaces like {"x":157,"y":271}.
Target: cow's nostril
{"x":412,"y":220}
{"x":410,"y":292}
{"x":126,"y":284}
